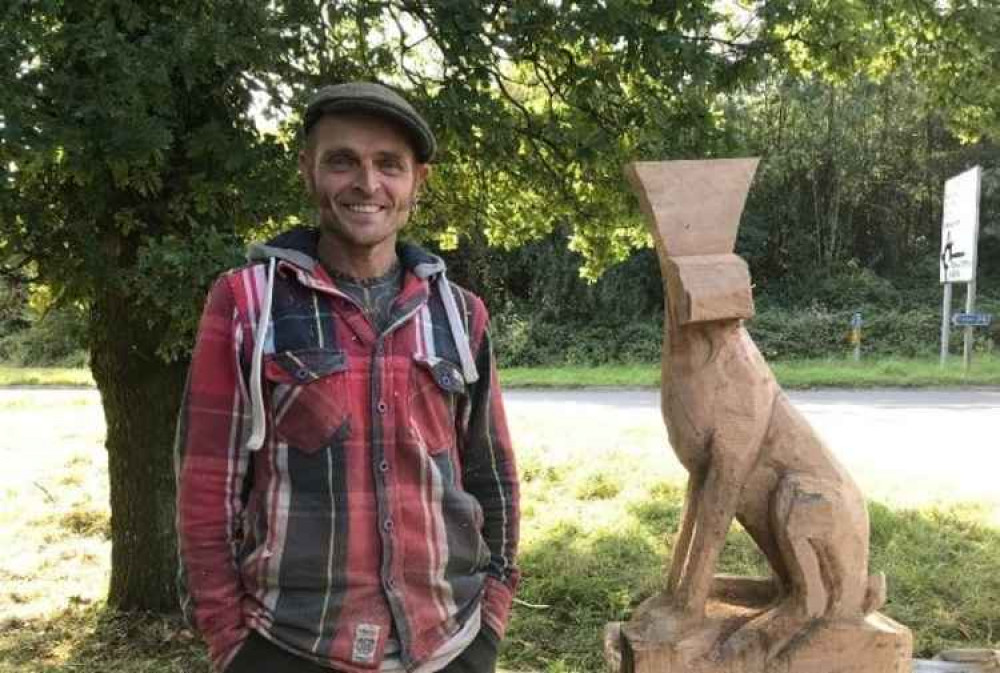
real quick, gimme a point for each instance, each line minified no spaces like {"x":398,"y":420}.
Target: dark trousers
{"x":259,"y":655}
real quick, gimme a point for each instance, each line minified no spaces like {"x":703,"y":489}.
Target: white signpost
{"x":959,"y":240}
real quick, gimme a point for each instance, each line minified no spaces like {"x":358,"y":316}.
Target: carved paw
{"x":679,"y":624}
{"x":744,"y":645}
{"x":765,"y":636}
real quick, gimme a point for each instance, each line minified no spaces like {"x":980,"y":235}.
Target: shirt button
{"x":388,"y":525}
{"x":301,"y":374}
{"x":382,"y":407}
{"x":383,"y":466}
{"x":390,"y":583}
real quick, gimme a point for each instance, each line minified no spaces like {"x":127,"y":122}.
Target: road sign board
{"x":972,"y":319}
{"x":856,"y":320}
{"x":960,"y":227}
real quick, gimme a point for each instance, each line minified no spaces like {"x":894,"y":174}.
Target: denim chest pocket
{"x":435,"y":387}
{"x":309,"y":397}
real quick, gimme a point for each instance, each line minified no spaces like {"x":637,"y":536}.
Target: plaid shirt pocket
{"x":434,"y":387}
{"x":309,"y":397}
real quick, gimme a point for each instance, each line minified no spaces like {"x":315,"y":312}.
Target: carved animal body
{"x":751,"y":456}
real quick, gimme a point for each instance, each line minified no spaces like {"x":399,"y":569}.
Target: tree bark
{"x":140,"y":394}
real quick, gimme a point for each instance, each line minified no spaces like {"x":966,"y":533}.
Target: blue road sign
{"x":972,"y":319}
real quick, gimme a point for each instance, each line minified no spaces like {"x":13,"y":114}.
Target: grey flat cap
{"x":375,"y":99}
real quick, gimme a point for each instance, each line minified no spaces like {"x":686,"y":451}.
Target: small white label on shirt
{"x":365,"y":643}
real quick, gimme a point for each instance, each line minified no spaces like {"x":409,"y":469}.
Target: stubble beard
{"x":352,"y":237}
{"x":330,"y":226}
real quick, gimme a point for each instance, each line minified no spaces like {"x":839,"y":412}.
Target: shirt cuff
{"x":497,"y":601}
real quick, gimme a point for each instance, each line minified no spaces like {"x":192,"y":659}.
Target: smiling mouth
{"x":366,"y":208}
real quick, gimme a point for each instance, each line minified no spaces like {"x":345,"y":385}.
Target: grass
{"x":600,"y":502}
{"x":627,"y":376}
{"x":834,"y":373}
{"x":45,"y":376}
{"x":985,"y":370}
{"x":596,"y":536}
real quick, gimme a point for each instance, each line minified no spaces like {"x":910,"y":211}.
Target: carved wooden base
{"x":741,"y":634}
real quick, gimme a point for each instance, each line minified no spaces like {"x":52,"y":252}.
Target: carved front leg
{"x":682,"y":545}
{"x":715,"y":511}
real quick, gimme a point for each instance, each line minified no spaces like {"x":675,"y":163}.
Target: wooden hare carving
{"x":751,"y":456}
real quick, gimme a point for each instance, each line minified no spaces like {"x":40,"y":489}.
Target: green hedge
{"x":781,"y":334}
{"x":56,"y":340}
{"x":523,"y":342}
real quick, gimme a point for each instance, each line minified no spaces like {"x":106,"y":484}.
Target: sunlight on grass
{"x":54,"y":513}
{"x":866,"y":374}
{"x":601,"y":500}
{"x":596,"y":538}
{"x":45,"y":376}
{"x":839,"y":373}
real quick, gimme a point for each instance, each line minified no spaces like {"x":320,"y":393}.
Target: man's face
{"x":363,"y":176}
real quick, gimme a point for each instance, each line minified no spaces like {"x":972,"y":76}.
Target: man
{"x":347,"y":496}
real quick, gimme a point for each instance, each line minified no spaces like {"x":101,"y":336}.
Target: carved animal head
{"x":693,"y":210}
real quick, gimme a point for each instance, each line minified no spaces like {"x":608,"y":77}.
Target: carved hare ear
{"x":693,"y":207}
{"x":693,"y":210}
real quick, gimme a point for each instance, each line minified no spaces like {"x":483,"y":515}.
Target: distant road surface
{"x":908,"y":447}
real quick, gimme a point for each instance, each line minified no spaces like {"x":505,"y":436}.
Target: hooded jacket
{"x":341,"y":490}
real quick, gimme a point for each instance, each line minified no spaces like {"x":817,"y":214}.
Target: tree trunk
{"x":140,"y":394}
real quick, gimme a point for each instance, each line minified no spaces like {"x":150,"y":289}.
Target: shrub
{"x":527,"y":342}
{"x":781,"y":334}
{"x":58,"y":338}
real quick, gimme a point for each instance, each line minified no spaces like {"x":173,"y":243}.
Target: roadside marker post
{"x":856,"y":335}
{"x":945,"y":323}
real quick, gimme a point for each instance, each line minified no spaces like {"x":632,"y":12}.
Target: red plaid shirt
{"x":384,"y":500}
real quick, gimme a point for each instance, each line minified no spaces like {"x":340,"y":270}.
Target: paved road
{"x":903,"y":446}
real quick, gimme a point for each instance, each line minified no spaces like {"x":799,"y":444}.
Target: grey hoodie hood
{"x":299,"y":247}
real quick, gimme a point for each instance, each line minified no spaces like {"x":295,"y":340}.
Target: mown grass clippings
{"x":94,"y":639}
{"x":54,"y":520}
{"x":87,"y":521}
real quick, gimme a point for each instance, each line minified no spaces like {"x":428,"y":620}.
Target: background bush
{"x":545,"y":314}
{"x":35,"y":332}
{"x":821,"y":329}
{"x":556,"y":318}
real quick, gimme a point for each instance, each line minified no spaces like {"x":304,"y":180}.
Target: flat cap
{"x":375,"y":99}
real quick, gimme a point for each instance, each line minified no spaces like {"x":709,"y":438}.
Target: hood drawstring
{"x":258,"y":413}
{"x":457,"y":330}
